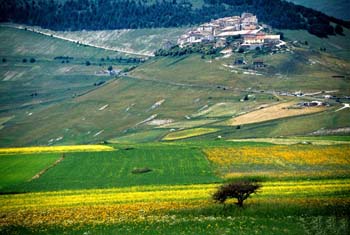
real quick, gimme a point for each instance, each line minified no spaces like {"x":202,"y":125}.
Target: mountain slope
{"x":163,"y":95}
{"x":336,"y":8}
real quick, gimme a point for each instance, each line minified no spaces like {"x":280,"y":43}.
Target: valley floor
{"x":305,"y":189}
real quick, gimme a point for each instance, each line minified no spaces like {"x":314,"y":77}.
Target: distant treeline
{"x":122,"y":14}
{"x":63,"y":58}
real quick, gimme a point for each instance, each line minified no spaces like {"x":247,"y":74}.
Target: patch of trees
{"x":34,"y":94}
{"x":204,"y":49}
{"x":111,"y":14}
{"x":121,"y":60}
{"x":128,"y":60}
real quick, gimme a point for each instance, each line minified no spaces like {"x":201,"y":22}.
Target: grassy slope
{"x":336,"y":8}
{"x":20,"y":168}
{"x":49,"y":78}
{"x":338,"y":45}
{"x":286,"y":72}
{"x":139,"y":41}
{"x":187,"y":84}
{"x":114,"y":169}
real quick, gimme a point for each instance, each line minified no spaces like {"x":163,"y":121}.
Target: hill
{"x":54,"y":102}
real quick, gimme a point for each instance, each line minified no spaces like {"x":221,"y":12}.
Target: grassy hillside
{"x":143,"y":41}
{"x":336,"y":8}
{"x":338,"y":45}
{"x":48,"y":78}
{"x":138,"y":42}
{"x":53,"y":103}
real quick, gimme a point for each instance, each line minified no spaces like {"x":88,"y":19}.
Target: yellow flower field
{"x":286,"y":160}
{"x":55,"y":149}
{"x":284,"y":154}
{"x":118,"y":205}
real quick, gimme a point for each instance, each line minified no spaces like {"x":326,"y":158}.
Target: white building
{"x":249,"y":21}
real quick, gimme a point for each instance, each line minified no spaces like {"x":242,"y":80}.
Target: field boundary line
{"x":38,"y":175}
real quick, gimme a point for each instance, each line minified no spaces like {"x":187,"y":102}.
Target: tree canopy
{"x":122,"y":14}
{"x":240,"y":190}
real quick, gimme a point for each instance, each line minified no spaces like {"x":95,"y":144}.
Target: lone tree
{"x":240,"y":190}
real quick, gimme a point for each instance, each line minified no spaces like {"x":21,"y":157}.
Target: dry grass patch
{"x":277,"y":111}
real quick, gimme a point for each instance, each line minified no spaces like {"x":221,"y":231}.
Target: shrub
{"x":141,"y":170}
{"x":241,"y":50}
{"x":240,"y":190}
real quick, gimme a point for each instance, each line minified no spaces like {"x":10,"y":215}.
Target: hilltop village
{"x":246,"y":31}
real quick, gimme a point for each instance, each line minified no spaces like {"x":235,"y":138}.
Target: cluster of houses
{"x":217,"y":31}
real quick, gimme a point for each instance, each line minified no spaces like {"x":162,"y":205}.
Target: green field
{"x":20,"y":168}
{"x":140,"y":137}
{"x":169,"y":165}
{"x":189,"y":133}
{"x":98,"y":193}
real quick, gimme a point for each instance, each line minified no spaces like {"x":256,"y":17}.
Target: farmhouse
{"x":258,"y":63}
{"x":239,"y":61}
{"x":312,"y":104}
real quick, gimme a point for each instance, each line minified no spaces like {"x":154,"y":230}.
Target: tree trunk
{"x":240,"y":202}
